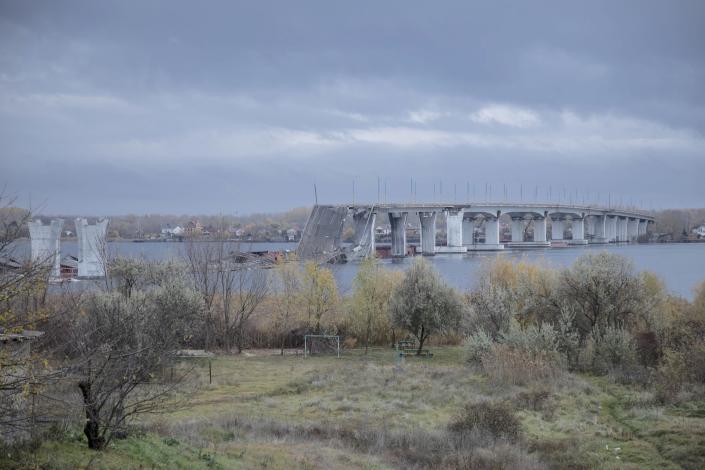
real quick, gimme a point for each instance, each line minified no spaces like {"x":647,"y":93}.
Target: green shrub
{"x":615,"y":351}
{"x":477,"y":345}
{"x":533,"y":339}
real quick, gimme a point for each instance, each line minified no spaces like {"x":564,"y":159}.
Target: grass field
{"x":267,"y":411}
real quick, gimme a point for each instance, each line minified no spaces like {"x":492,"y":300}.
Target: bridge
{"x":469,"y":227}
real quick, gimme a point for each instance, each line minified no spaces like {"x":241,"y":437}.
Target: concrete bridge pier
{"x":44,"y":244}
{"x":540,"y":229}
{"x":557,"y":228}
{"x":492,"y":233}
{"x":599,"y":228}
{"x":454,"y":224}
{"x":517,"y":229}
{"x":454,"y":231}
{"x":611,"y":228}
{"x":578,"y":229}
{"x":468,"y":231}
{"x":364,"y":237}
{"x":632,"y":229}
{"x":91,"y":248}
{"x":428,"y":233}
{"x":397,"y":220}
{"x":643,"y":224}
{"x":589,"y":226}
{"x":621,"y":229}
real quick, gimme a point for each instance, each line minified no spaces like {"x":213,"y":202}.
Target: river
{"x":680,"y":266}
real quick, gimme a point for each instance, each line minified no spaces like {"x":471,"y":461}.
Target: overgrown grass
{"x":366,"y":412}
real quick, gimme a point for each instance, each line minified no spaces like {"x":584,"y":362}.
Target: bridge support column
{"x":557,"y":228}
{"x":91,"y":248}
{"x":398,"y":222}
{"x":428,"y":233}
{"x":643,"y":224}
{"x":599,"y":226}
{"x":468,"y":231}
{"x":492,"y":231}
{"x":621,"y":229}
{"x":632,"y":229}
{"x":364,"y":236}
{"x":578,"y":229}
{"x":44,"y":244}
{"x":540,"y":229}
{"x":517,"y":229}
{"x":454,"y":227}
{"x":589,"y":226}
{"x":611,"y":228}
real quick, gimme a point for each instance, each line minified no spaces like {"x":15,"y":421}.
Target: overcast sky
{"x":223,"y":107}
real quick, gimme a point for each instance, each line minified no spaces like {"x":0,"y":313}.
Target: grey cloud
{"x":246,"y":104}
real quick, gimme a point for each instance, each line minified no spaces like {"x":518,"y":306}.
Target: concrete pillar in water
{"x":428,"y":233}
{"x":642,"y":227}
{"x":578,"y":229}
{"x":589,"y":226}
{"x":44,"y":244}
{"x":599,"y":226}
{"x":557,"y":228}
{"x":540,"y":229}
{"x":517,"y":229}
{"x":468,"y":231}
{"x":611,"y":228}
{"x":621,"y":229}
{"x":364,"y":236}
{"x":492,"y":230}
{"x":91,"y":248}
{"x":632,"y":229}
{"x":398,"y":222}
{"x":454,"y":228}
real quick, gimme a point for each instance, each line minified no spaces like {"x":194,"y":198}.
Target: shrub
{"x":533,"y":339}
{"x":535,"y":399}
{"x":615,"y":351}
{"x":477,"y":345}
{"x":494,"y":418}
{"x":670,"y":376}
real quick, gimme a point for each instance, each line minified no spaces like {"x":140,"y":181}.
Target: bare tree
{"x":117,"y":348}
{"x":242,"y":286}
{"x":603,"y":292}
{"x":199,"y":259}
{"x":287,"y":304}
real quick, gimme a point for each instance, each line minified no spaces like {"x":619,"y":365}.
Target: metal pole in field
{"x":338,"y":337}
{"x":210,"y":372}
